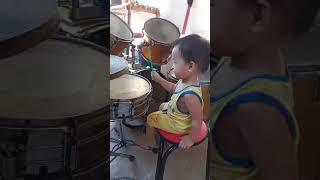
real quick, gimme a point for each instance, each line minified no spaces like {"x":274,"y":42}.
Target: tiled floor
{"x":186,"y":165}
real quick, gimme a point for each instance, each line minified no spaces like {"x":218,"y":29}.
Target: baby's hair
{"x":301,"y":13}
{"x":194,"y":48}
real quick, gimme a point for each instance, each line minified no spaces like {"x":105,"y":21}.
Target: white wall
{"x":175,"y":11}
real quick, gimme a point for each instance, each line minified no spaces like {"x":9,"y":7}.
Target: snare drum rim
{"x":94,"y":46}
{"x":158,"y":42}
{"x":81,"y":116}
{"x":94,"y":28}
{"x":131,"y":32}
{"x":137,"y":98}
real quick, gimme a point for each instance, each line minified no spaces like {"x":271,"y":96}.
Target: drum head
{"x":128,"y":87}
{"x":56,"y":79}
{"x":119,"y":28}
{"x":117,"y":64}
{"x":161,"y":30}
{"x":19,"y":17}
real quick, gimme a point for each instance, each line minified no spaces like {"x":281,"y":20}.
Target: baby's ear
{"x":262,"y":13}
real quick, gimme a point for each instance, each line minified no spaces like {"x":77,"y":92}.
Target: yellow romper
{"x":169,"y":117}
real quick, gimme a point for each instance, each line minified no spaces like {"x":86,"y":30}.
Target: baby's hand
{"x":155,"y":76}
{"x":186,"y":142}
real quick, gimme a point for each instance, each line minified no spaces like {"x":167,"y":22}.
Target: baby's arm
{"x":269,"y":141}
{"x":193,"y":105}
{"x":169,"y":86}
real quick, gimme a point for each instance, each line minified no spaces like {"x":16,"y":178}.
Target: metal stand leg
{"x":163,"y":155}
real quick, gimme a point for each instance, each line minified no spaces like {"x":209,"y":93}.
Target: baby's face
{"x":180,"y":67}
{"x":230,"y":23}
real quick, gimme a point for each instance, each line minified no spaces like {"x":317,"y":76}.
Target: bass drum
{"x":54,"y":121}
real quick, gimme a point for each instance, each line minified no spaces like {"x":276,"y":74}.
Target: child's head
{"x":190,"y":55}
{"x":241,"y":25}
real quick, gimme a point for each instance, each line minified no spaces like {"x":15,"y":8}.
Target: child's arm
{"x":169,"y":86}
{"x":269,"y":141}
{"x":193,"y":105}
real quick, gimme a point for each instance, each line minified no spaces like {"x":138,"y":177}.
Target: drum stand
{"x":122,"y":142}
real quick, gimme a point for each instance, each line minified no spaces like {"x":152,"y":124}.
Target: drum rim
{"x":131,"y":32}
{"x":146,"y":94}
{"x":94,"y":46}
{"x":96,"y":27}
{"x":157,"y":18}
{"x":105,"y":108}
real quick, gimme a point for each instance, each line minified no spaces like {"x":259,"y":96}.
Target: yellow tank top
{"x":272,"y":90}
{"x":178,"y":119}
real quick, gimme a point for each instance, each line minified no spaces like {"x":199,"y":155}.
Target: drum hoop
{"x":140,"y":97}
{"x":120,"y":39}
{"x":157,"y":42}
{"x":22,"y":42}
{"x":92,"y":45}
{"x":94,"y":28}
{"x":104,"y":109}
{"x":131,"y":33}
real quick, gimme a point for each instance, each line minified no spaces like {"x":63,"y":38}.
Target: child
{"x":183,"y":114}
{"x":253,"y":131}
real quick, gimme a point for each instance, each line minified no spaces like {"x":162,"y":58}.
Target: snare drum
{"x":54,"y":121}
{"x":158,"y":34}
{"x":120,"y":35}
{"x":132,"y":90}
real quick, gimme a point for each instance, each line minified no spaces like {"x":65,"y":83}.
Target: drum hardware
{"x":122,"y":142}
{"x":133,"y":55}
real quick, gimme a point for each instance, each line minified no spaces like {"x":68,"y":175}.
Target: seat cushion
{"x":176,"y":138}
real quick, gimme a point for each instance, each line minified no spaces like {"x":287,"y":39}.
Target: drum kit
{"x":53,"y":123}
{"x":133,"y":94}
{"x":136,"y":92}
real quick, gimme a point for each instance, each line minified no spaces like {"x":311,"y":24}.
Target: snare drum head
{"x":55,"y":79}
{"x":117,"y":64}
{"x":119,"y":28}
{"x":161,"y":30}
{"x":128,"y":87}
